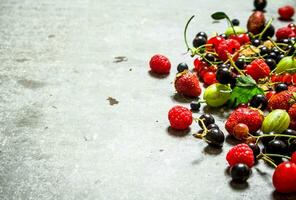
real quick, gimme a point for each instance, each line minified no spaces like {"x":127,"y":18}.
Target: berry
{"x":260,"y":4}
{"x":187,"y":84}
{"x":241,"y":38}
{"x":256,"y":42}
{"x":292,"y":114}
{"x":264,"y":50}
{"x":240,"y":172}
{"x":284,"y":177}
{"x":235,"y":22}
{"x":258,"y":69}
{"x":253,"y":118}
{"x":214,"y":41}
{"x":223,"y":75}
{"x":293,"y":158}
{"x":180,"y":117}
{"x":212,"y":126}
{"x":286,"y":78}
{"x":240,"y":131}
{"x":209,"y":78}
{"x":240,"y":63}
{"x":255,"y":148}
{"x":283,"y":33}
{"x":286,"y":12}
{"x":182,"y":66}
{"x":281,"y":87}
{"x":259,"y":101}
{"x":215,"y":137}
{"x":266,"y":140}
{"x":226,"y":47}
{"x":199,"y":64}
{"x":277,"y":121}
{"x":280,"y":100}
{"x":209,"y":57}
{"x":256,"y":22}
{"x":195,"y":106}
{"x":271,"y":63}
{"x":268,"y":33}
{"x":270,"y":94}
{"x":223,"y":35}
{"x":203,"y":34}
{"x":272,"y":55}
{"x":199,"y":41}
{"x":276,"y":146}
{"x":217,"y":94}
{"x":160,"y":64}
{"x":240,"y":153}
{"x":207,"y":120}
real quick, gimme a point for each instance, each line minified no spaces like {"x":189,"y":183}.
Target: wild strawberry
{"x":283,"y":33}
{"x":240,"y":153}
{"x":292,"y":114}
{"x":227,"y":48}
{"x":187,"y":84}
{"x":253,"y":118}
{"x":286,"y":12}
{"x":209,"y":78}
{"x":280,"y":100}
{"x":160,"y":64}
{"x":293,"y":157}
{"x":258,"y":69}
{"x":270,"y":94}
{"x":180,"y":117}
{"x":213,"y":43}
{"x":284,"y":177}
{"x":241,"y":38}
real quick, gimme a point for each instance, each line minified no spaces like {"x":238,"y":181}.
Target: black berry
{"x":271,"y":63}
{"x":268,"y":33}
{"x":223,"y":75}
{"x":256,"y":42}
{"x":199,"y":41}
{"x":215,"y":137}
{"x":240,"y":172}
{"x":210,"y":57}
{"x":240,"y":63}
{"x":195,"y":106}
{"x":260,"y":4}
{"x":182,"y":66}
{"x":212,"y":126}
{"x":203,"y":34}
{"x":235,"y":22}
{"x":207,"y":120}
{"x":264,"y":50}
{"x":281,"y":87}
{"x":255,"y":148}
{"x":259,"y":101}
{"x":276,"y":146}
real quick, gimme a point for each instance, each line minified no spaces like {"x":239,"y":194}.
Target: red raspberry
{"x":180,"y":117}
{"x":284,"y":33}
{"x":293,"y":158}
{"x":258,"y":69}
{"x":209,"y":78}
{"x":226,"y":47}
{"x":214,"y":41}
{"x":240,"y":153}
{"x":160,"y":64}
{"x":286,"y":12}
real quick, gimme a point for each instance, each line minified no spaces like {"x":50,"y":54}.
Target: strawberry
{"x":187,"y":84}
{"x":244,"y":115}
{"x":281,"y":100}
{"x":284,"y":177}
{"x":292,"y":114}
{"x":251,"y":117}
{"x":227,"y":48}
{"x":258,"y":69}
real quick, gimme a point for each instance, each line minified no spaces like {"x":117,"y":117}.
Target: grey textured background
{"x":60,"y":138}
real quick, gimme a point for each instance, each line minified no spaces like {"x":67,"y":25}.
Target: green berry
{"x":217,"y":95}
{"x":276,"y":121}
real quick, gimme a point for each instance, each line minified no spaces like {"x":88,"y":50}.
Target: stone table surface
{"x":60,"y":136}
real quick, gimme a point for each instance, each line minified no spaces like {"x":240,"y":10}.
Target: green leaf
{"x":245,"y":81}
{"x":219,"y":15}
{"x":241,"y":95}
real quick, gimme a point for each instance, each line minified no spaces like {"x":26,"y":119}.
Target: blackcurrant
{"x":281,"y":87}
{"x":271,"y":63}
{"x":207,"y":120}
{"x":210,"y":57}
{"x":266,"y":140}
{"x":276,"y":51}
{"x":223,"y":35}
{"x":203,"y":34}
{"x":276,"y":146}
{"x":256,"y":42}
{"x":240,"y":63}
{"x":223,"y":65}
{"x":264,"y":50}
{"x":281,"y":56}
{"x":260,"y":4}
{"x":195,"y":106}
{"x":235,"y":22}
{"x":255,"y":148}
{"x":268,"y":33}
{"x":212,"y":126}
{"x":259,"y":101}
{"x":289,"y":132}
{"x":285,"y":41}
{"x":272,"y":55}
{"x":182,"y":66}
{"x":240,"y":172}
{"x":199,"y":41}
{"x":215,"y":137}
{"x":223,"y":75}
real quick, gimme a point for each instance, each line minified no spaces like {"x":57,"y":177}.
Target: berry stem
{"x":233,"y":64}
{"x":277,"y":155}
{"x":265,"y":29}
{"x":275,"y":135}
{"x":266,"y":159}
{"x":274,"y":44}
{"x":185,"y":33}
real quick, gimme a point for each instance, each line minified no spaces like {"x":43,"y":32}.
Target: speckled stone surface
{"x":59,"y":136}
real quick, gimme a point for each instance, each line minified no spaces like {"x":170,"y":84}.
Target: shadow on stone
{"x":238,"y":185}
{"x":177,"y":133}
{"x":280,"y":196}
{"x":212,"y":150}
{"x":158,"y":76}
{"x":227,"y":171}
{"x":231,"y":140}
{"x":285,"y":20}
{"x":181,"y":99}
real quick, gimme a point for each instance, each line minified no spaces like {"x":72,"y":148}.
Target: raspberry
{"x":258,"y":69}
{"x":240,"y":153}
{"x":284,"y":33}
{"x":226,"y":47}
{"x":160,"y":64}
{"x":286,"y":12}
{"x":180,"y":117}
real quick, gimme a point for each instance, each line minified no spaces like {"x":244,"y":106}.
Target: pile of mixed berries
{"x":253,"y":72}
